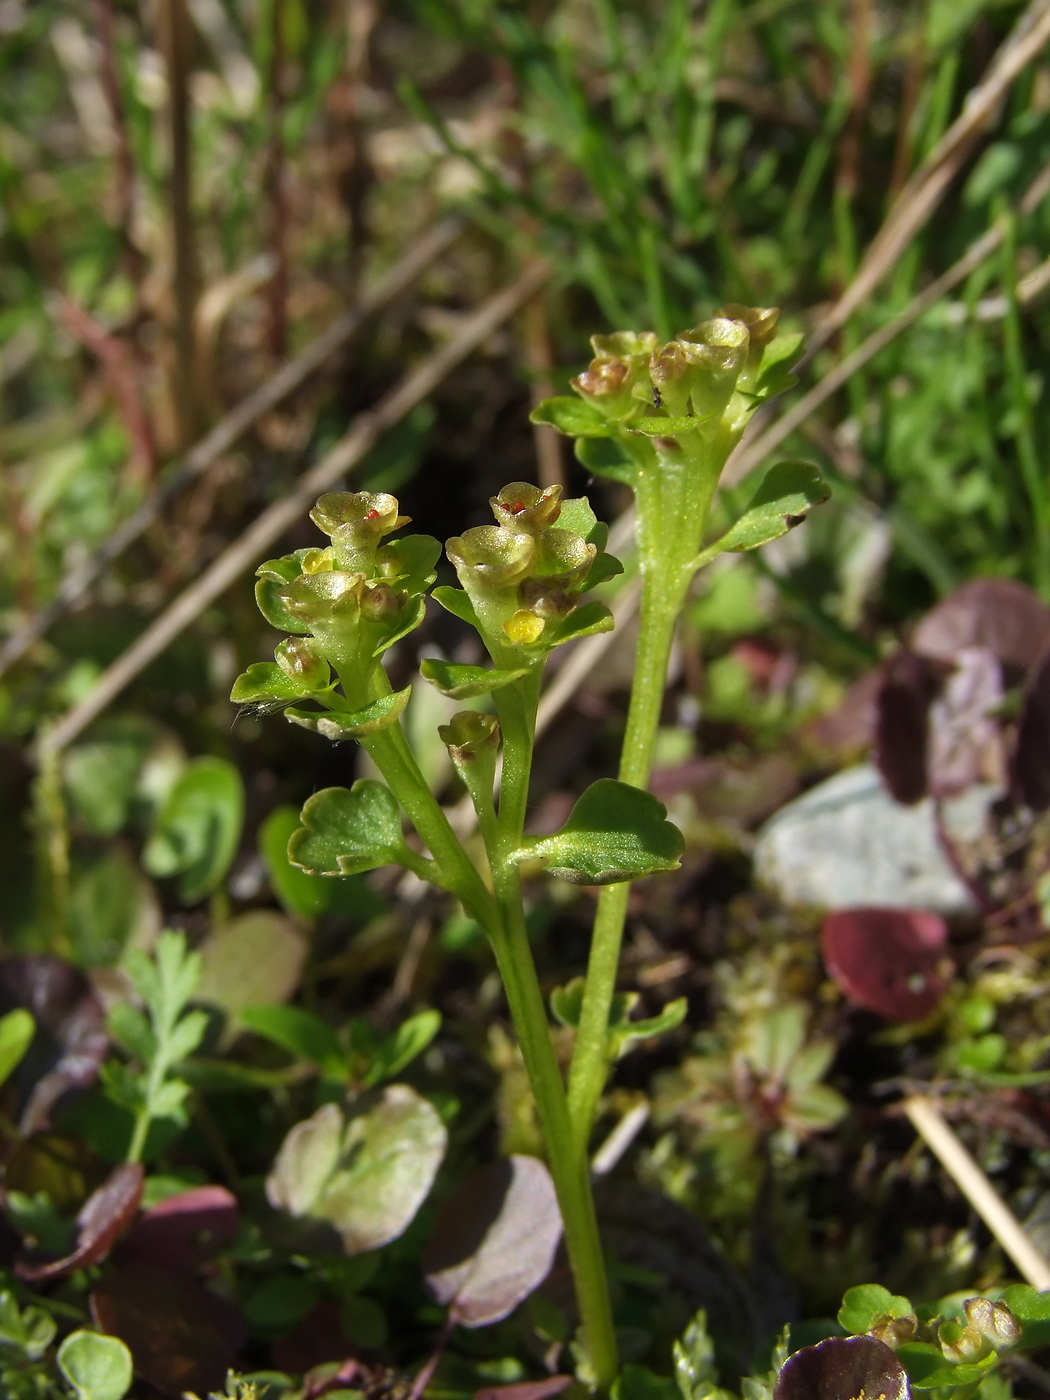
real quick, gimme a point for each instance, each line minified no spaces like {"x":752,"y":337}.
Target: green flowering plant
{"x":663,"y":420}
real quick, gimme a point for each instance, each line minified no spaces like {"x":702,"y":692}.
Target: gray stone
{"x":847,"y":842}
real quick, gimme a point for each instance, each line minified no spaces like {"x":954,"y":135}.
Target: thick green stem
{"x":590,"y":1060}
{"x":569,"y":1169}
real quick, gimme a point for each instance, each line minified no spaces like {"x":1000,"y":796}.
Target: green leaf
{"x":97,"y":1367}
{"x":17,"y":1029}
{"x":346,"y":831}
{"x":414,"y":613}
{"x":255,"y":958}
{"x":785,"y":497}
{"x":615,"y":832}
{"x":567,"y":1007}
{"x":623,"y":1035}
{"x":304,"y":895}
{"x":1032,"y":1311}
{"x":368,"y":1174}
{"x":264,"y":683}
{"x":198,"y":828}
{"x":409,"y":1040}
{"x":668,"y":427}
{"x":779,"y":354}
{"x":456,"y":601}
{"x":381,"y":714}
{"x":301,"y":1033}
{"x":607,"y":458}
{"x":927,"y":1368}
{"x":583,"y":621}
{"x":464,"y":682}
{"x":571,"y":416}
{"x":576,"y":515}
{"x":605,"y":567}
{"x":271,"y":605}
{"x":867,"y":1303}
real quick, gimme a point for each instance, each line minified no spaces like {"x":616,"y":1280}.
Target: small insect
{"x":658,"y":399}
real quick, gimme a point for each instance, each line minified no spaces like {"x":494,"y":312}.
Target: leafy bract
{"x":365,"y":1174}
{"x":866,"y":1304}
{"x":457,"y":602}
{"x":197,"y":830}
{"x":583,"y":621}
{"x":358,"y":724}
{"x":927,"y":1367}
{"x":609,"y":458}
{"x":97,"y":1367}
{"x":347,"y":830}
{"x":614,"y":832}
{"x":786,"y":495}
{"x":494,"y":1241}
{"x":304,"y":895}
{"x":567,"y":1006}
{"x":465,"y":682}
{"x":265,"y":684}
{"x":571,"y":416}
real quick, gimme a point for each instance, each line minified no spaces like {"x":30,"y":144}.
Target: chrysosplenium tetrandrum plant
{"x":663,"y":419}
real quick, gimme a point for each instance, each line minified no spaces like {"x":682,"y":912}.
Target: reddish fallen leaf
{"x":494,"y":1241}
{"x":104,"y":1217}
{"x":183,"y":1231}
{"x":1031,"y":756}
{"x":181,"y":1337}
{"x":843,"y":1368}
{"x":997,"y":613}
{"x":888,"y":960}
{"x":70,"y":1042}
{"x":525,"y":1390}
{"x":902,"y":723}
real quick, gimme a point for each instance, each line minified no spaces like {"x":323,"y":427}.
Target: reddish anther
{"x":372,"y":515}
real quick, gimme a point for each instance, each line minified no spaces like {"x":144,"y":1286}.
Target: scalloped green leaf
{"x":338,"y":727}
{"x":623,"y":1034}
{"x":465,"y":682}
{"x":865,"y":1304}
{"x":347,"y":830}
{"x":415,"y":612}
{"x":457,"y":602}
{"x":268,"y":597}
{"x":413,"y":559}
{"x":609,"y":458}
{"x":583,"y":621}
{"x":615,"y":832}
{"x":788,"y":492}
{"x":567,"y":1005}
{"x":264,"y":683}
{"x":571,"y":416}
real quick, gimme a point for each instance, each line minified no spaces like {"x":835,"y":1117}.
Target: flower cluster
{"x":345,"y":604}
{"x":525,"y":574}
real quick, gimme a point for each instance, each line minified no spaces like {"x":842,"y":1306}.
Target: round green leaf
{"x":97,"y":1367}
{"x":304,"y":895}
{"x":198,"y":829}
{"x":867,"y":1303}
{"x":615,"y":832}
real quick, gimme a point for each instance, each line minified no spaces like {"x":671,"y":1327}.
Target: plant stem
{"x":516,"y":705}
{"x":658,"y":617}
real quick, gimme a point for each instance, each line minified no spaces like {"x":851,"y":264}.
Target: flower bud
{"x":562,"y":554}
{"x":317,"y":561}
{"x":524,"y":507}
{"x":618,"y":367}
{"x":671,"y":375}
{"x":717,"y":352}
{"x":379,"y":603}
{"x":524,"y":627}
{"x":994,"y":1321}
{"x":495,"y":557}
{"x":329,"y":593}
{"x":960,"y":1343}
{"x":301,"y":659}
{"x":545,"y":599}
{"x":625,"y":345}
{"x":469,"y":734}
{"x":894,"y":1330}
{"x":761,"y":321}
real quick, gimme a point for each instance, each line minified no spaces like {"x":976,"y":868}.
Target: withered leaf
{"x":890,"y":961}
{"x":104,"y":1217}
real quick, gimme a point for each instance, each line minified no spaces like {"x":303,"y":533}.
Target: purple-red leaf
{"x":70,"y":1042}
{"x":888,"y":960}
{"x":104,"y":1217}
{"x":183,"y":1231}
{"x":525,"y":1390}
{"x":1031,"y":756}
{"x":181,"y":1337}
{"x":843,"y":1368}
{"x":494,"y":1241}
{"x":1006,"y":617}
{"x":902,"y":722}
{"x":966,"y":740}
